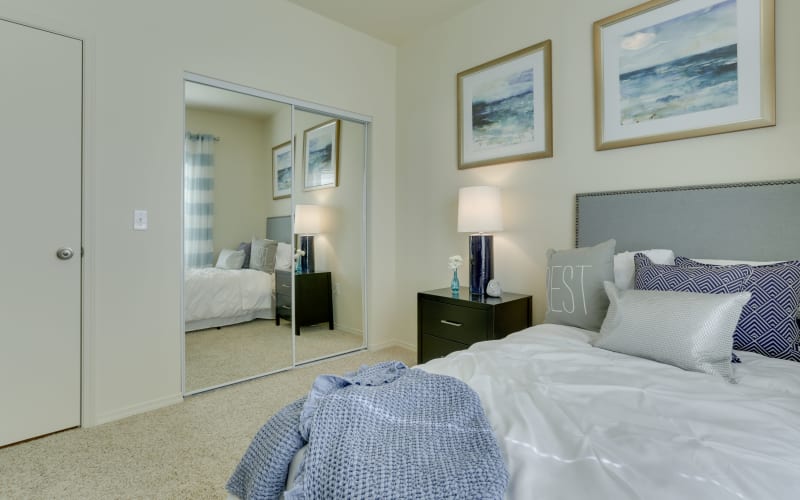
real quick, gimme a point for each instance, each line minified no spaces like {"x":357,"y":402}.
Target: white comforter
{"x":224,"y":293}
{"x":578,"y":422}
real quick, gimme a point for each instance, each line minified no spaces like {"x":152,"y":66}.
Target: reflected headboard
{"x":280,"y":228}
{"x":748,"y":221}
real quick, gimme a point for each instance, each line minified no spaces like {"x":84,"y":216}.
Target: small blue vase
{"x":454,"y":286}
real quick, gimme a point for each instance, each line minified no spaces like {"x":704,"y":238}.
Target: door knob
{"x":64,"y":253}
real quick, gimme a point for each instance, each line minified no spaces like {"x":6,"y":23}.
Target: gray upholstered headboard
{"x":280,"y":228}
{"x":749,"y":221}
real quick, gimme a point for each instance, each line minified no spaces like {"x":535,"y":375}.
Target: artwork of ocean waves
{"x":502,"y":113}
{"x":690,"y":84}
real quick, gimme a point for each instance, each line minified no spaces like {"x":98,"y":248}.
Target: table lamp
{"x":479,"y":213}
{"x":306,"y":225}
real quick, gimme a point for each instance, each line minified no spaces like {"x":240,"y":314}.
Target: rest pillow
{"x":575,"y":295}
{"x":262,"y":255}
{"x":625,"y":270}
{"x":693,"y":331}
{"x":768,"y":324}
{"x":230,"y":259}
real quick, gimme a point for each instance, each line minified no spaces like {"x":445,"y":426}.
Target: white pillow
{"x":283,"y":257}
{"x":625,"y":271}
{"x":230,"y":259}
{"x":693,"y":331}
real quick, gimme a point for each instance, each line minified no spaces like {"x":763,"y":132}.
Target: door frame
{"x":57,"y":26}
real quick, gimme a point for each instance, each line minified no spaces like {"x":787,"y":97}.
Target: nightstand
{"x":446,"y":323}
{"x":313,"y":300}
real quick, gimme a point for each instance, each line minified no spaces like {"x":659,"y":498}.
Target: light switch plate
{"x":140,"y":220}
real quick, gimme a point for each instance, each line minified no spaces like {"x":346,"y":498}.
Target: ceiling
{"x":393,"y":21}
{"x":216,"y":99}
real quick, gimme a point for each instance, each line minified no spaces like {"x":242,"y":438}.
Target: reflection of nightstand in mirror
{"x":313,"y":299}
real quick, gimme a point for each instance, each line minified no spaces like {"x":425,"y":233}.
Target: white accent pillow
{"x":283,"y":257}
{"x":230,"y":259}
{"x":693,"y":331}
{"x":625,"y":271}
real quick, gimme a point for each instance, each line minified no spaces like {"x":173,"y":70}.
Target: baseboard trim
{"x":347,"y":329}
{"x":386,"y":345}
{"x":129,"y":411}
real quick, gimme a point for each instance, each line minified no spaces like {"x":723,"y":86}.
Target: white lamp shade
{"x":306,"y":219}
{"x":479,"y":209}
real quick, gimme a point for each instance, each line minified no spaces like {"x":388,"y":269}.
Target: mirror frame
{"x":296,"y":105}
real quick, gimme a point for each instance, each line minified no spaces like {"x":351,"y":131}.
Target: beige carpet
{"x":216,"y":356}
{"x":185,"y":451}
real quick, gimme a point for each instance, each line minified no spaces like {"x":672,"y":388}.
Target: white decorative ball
{"x":493,"y":289}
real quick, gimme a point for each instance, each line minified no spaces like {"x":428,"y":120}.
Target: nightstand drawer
{"x":283,"y":282}
{"x":434,"y":347}
{"x":283,"y":299}
{"x":460,"y":324}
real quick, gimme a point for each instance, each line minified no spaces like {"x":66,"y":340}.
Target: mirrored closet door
{"x":274,"y":233}
{"x":237,"y":234}
{"x":329,"y":180}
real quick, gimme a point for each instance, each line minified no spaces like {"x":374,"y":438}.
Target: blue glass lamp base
{"x":307,"y":260}
{"x":481,"y":263}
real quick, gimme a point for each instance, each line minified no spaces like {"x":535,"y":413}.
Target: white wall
{"x":242,"y":174}
{"x":278,"y":130}
{"x":136,"y":53}
{"x":538,"y":196}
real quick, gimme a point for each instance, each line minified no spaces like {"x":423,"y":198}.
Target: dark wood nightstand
{"x":446,"y":323}
{"x":313,"y":299}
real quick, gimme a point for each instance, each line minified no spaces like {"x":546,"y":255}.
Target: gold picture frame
{"x":282,"y":171}
{"x":505,"y":108}
{"x":674,"y":69}
{"x":321,"y":156}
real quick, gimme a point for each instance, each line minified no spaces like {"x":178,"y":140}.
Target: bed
{"x":574,"y":420}
{"x":215,"y":297}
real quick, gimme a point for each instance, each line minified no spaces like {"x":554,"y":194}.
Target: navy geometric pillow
{"x":723,"y":279}
{"x":768,"y":324}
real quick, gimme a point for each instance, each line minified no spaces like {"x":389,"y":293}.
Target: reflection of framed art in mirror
{"x":321,"y":156}
{"x":282,"y":171}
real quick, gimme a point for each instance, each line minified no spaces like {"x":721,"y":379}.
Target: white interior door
{"x":40,"y":212}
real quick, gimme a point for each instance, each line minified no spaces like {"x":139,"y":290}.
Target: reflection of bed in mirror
{"x":216,"y":296}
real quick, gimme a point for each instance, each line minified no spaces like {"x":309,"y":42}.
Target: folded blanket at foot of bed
{"x":384,"y":431}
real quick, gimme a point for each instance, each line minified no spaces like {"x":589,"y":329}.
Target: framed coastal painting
{"x":673,"y":69}
{"x":282,"y":171}
{"x":505,"y":110}
{"x":321,"y":156}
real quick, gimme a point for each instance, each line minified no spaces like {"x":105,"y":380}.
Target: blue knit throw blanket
{"x":384,"y":431}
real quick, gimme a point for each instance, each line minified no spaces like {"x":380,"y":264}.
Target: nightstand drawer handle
{"x":284,"y":285}
{"x":451,"y":323}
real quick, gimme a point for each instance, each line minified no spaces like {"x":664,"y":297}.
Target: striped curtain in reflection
{"x":198,"y":200}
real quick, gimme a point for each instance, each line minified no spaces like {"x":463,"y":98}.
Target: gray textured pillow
{"x":693,"y":331}
{"x":575,"y":277}
{"x":262,"y":255}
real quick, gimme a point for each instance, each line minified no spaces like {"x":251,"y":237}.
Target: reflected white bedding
{"x":575,"y":421}
{"x":217,"y":297}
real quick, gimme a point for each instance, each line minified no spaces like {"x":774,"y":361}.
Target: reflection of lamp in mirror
{"x":479,"y":213}
{"x":306,"y":225}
